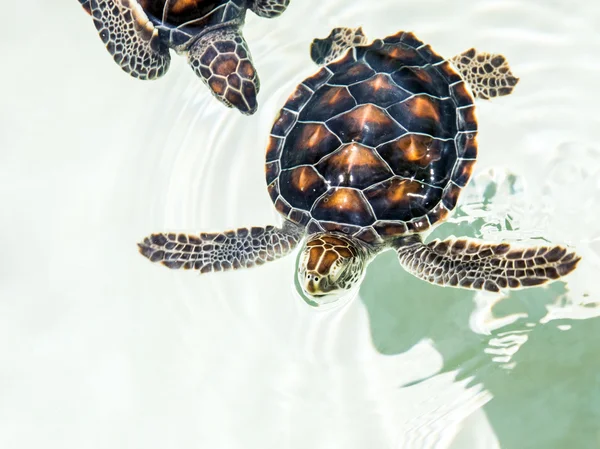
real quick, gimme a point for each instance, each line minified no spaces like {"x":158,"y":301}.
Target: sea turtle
{"x":139,"y":34}
{"x":364,"y":156}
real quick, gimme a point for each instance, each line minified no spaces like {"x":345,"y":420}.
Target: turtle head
{"x":221,"y":58}
{"x":331,"y":265}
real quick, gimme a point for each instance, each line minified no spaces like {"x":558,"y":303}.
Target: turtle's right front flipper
{"x":469,"y":263}
{"x":242,"y":248}
{"x":130,"y":37}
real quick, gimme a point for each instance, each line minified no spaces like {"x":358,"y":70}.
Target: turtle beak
{"x":316,"y":285}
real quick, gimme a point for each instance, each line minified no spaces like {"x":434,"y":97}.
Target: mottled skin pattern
{"x":241,"y":248}
{"x":467,"y":263}
{"x":366,"y":154}
{"x":488,"y":74}
{"x":269,"y":8}
{"x":131,"y":38}
{"x":139,"y":33}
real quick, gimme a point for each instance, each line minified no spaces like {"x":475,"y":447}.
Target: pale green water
{"x":101,"y":349}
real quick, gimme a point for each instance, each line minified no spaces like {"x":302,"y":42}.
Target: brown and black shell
{"x":376,"y":144}
{"x":178,"y":21}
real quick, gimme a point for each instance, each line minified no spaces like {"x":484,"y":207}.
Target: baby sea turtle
{"x":365,"y":155}
{"x":139,"y":34}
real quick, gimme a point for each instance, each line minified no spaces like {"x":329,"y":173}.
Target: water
{"x":102,"y":349}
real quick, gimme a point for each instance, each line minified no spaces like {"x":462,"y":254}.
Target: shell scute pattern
{"x":327,"y":102}
{"x":379,"y":143}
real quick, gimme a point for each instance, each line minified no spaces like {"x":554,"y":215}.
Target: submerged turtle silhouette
{"x":139,"y":34}
{"x":365,"y":155}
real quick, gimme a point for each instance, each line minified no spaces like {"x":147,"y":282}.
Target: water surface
{"x":104,"y":349}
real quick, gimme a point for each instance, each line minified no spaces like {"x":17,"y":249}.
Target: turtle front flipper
{"x":222,"y":59}
{"x":487,"y":74}
{"x":323,"y":51}
{"x":468,"y":263}
{"x":241,"y":248}
{"x":269,"y":8}
{"x":130,"y":37}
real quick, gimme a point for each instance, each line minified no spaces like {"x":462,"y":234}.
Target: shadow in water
{"x":548,"y":396}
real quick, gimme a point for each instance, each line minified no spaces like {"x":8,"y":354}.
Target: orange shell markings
{"x":400,"y":190}
{"x":344,"y":199}
{"x":179,"y":6}
{"x":332,"y":96}
{"x":418,"y":149}
{"x":380,"y":82}
{"x":422,"y":107}
{"x":313,"y":134}
{"x":357,"y":69}
{"x":402,"y":53}
{"x":365,"y":116}
{"x":305,"y":178}
{"x":354,"y":155}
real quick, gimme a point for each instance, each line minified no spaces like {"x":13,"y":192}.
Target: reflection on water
{"x":532,"y":340}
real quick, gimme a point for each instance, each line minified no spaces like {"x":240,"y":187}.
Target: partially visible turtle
{"x":139,"y":34}
{"x":365,"y":155}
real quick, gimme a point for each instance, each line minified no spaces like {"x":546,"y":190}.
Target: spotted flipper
{"x":269,"y":8}
{"x":130,"y":37}
{"x":86,"y":6}
{"x":467,"y":263}
{"x":222,"y":59}
{"x":242,"y":248}
{"x":323,"y":51}
{"x":487,"y":74}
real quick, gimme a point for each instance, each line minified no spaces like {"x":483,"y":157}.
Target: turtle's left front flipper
{"x":130,"y":37}
{"x":222,"y":59}
{"x":487,"y":74}
{"x":241,"y":248}
{"x":468,"y":263}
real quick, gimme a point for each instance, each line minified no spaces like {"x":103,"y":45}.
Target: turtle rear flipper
{"x":487,"y":74}
{"x":269,"y":8}
{"x":206,"y":252}
{"x":323,"y":51}
{"x":469,"y":263}
{"x":130,"y":37}
{"x":222,"y":59}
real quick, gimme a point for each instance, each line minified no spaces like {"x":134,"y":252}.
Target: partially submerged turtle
{"x":139,"y":34}
{"x":365,"y":155}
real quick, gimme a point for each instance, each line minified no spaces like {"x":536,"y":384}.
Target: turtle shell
{"x":376,"y":144}
{"x":178,"y":21}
